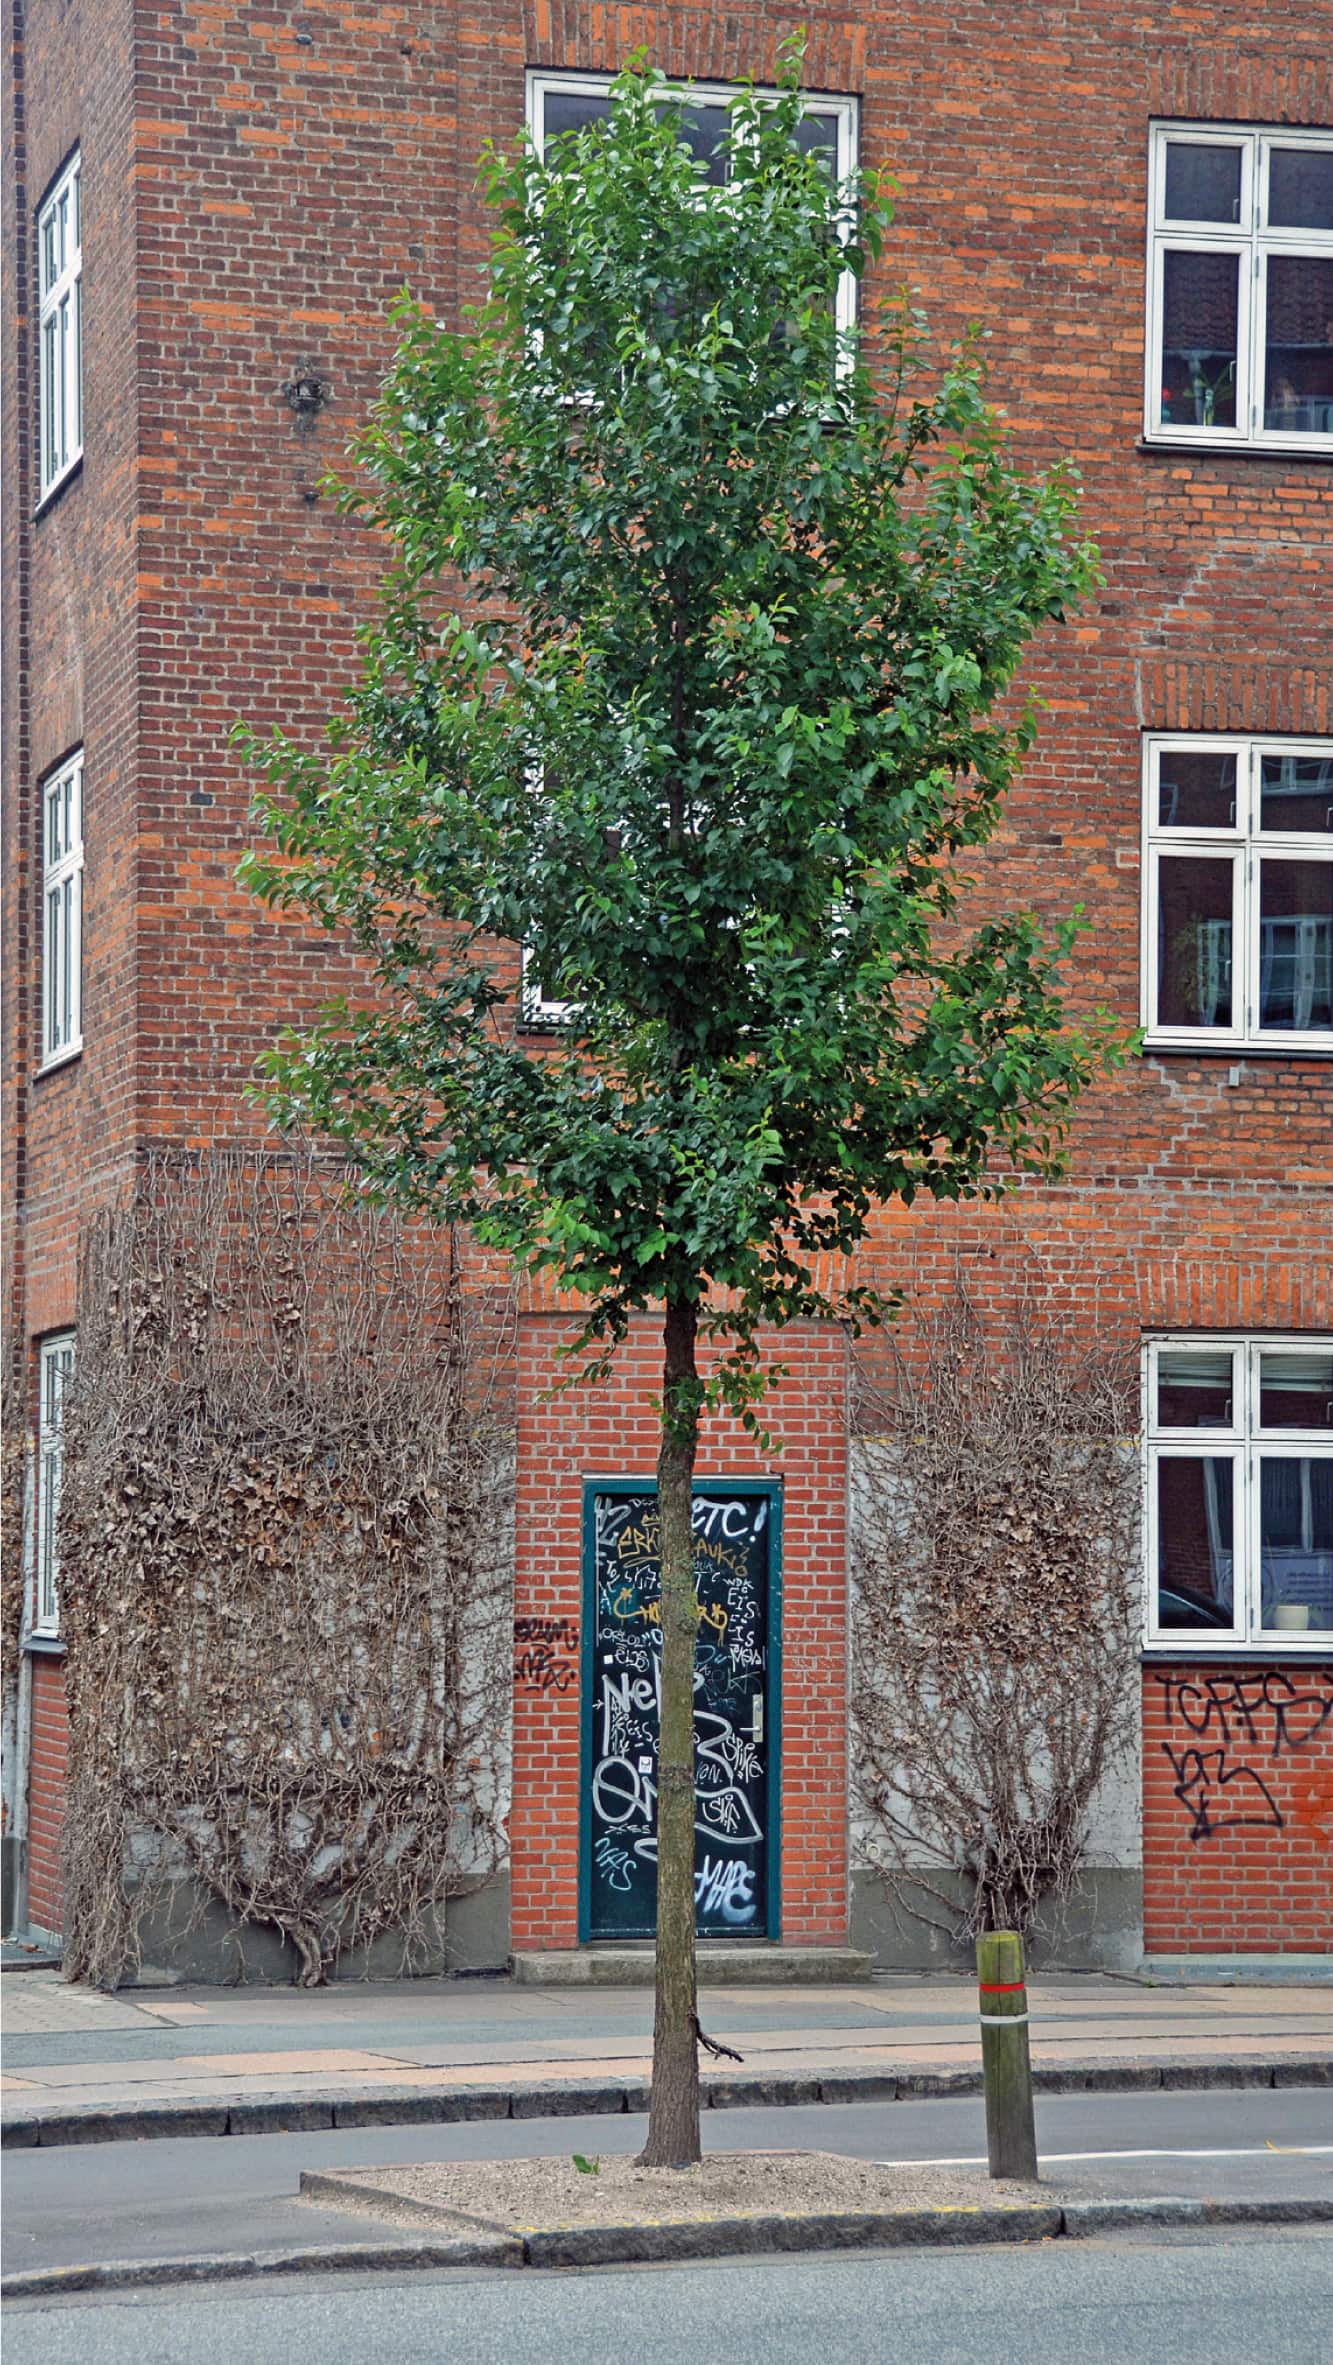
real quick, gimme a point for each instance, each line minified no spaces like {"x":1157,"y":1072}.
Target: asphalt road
{"x":79,"y":2204}
{"x":1185,"y":2302}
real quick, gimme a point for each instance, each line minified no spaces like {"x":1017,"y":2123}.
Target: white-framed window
{"x":60,"y":329}
{"x":829,"y":127}
{"x":1240,"y":287}
{"x":55,"y":1370}
{"x":1238,"y":892}
{"x":538,"y":1009}
{"x":1239,"y":1508}
{"x":62,"y":911}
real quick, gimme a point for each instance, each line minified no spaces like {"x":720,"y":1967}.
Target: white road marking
{"x":1260,"y":2151}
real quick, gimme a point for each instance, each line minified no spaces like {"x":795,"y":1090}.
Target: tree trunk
{"x":673,"y":2123}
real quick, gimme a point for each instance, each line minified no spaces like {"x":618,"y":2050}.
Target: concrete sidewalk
{"x":84,"y":2067}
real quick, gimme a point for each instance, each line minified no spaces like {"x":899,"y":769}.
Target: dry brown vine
{"x":13,"y":1569}
{"x":997,"y":1545}
{"x":13,"y":1471}
{"x":285,"y":1564}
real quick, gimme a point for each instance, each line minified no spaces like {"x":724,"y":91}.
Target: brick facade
{"x":1238,"y":1809}
{"x":46,"y":1792}
{"x":258,"y":184}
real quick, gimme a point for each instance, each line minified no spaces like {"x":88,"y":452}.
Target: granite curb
{"x":403,"y":2106}
{"x":685,"y":2239}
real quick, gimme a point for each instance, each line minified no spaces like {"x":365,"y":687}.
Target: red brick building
{"x":209,"y":208}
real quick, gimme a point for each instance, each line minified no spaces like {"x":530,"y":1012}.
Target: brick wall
{"x":1238,"y":1809}
{"x":46,"y":1792}
{"x":610,"y":1431}
{"x":69,"y":676}
{"x":70,"y":671}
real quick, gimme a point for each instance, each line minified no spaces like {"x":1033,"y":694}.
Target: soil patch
{"x":525,"y":2196}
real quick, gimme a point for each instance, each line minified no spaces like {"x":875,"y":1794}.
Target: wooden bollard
{"x":1006,"y":2064}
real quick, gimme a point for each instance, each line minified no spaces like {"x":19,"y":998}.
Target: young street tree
{"x":707,"y":741}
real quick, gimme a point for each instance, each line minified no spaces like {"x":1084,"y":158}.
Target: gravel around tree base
{"x":527,"y":2195}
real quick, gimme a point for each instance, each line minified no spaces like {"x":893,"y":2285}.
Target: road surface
{"x":1190,"y":2301}
{"x":78,"y":2204}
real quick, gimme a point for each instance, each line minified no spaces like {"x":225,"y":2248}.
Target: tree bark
{"x":673,"y":2121}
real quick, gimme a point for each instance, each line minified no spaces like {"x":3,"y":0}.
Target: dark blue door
{"x":733,"y":1736}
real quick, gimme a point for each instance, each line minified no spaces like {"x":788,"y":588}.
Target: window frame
{"x":1245,"y":1443}
{"x":846,"y":108}
{"x":55,"y":1368}
{"x":539,"y":1013}
{"x":1247,"y":845}
{"x":62,"y":936}
{"x":60,"y":356}
{"x":1255,"y":241}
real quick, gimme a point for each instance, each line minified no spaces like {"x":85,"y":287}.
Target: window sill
{"x":1274,"y":1646}
{"x":1319,"y":449}
{"x":1235,"y":1048}
{"x":555,"y":1021}
{"x":59,"y":484}
{"x":44,"y":1646}
{"x":60,"y":1059}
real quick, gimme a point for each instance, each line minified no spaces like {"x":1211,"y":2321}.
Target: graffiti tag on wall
{"x":1228,"y":1732}
{"x":546,"y":1654}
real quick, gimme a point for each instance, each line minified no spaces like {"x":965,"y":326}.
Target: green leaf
{"x":693,"y":673}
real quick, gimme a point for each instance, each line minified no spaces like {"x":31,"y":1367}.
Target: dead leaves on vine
{"x":997,"y":1572}
{"x":285,"y":1560}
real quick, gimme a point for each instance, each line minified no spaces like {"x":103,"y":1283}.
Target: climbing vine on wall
{"x":285,"y":1567}
{"x":997,"y":1571}
{"x":13,"y":1472}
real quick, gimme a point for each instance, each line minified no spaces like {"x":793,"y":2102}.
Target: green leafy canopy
{"x":715,"y":723}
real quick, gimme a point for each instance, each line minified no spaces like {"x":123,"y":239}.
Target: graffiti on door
{"x":733,"y":1542}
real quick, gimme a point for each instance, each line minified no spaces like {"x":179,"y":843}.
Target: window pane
{"x":1199,"y":340}
{"x":50,"y":270}
{"x":1300,"y":188}
{"x":1296,"y":1543}
{"x":1296,"y":944}
{"x":703,"y":131}
{"x":66,"y":962}
{"x":817,"y":135}
{"x":1296,"y":792}
{"x":1295,"y":1391}
{"x":46,"y":1558}
{"x":1195,"y":1540}
{"x":1298,"y":367}
{"x":53,"y":970}
{"x":1194,"y":1388}
{"x":571,"y":110}
{"x":1194,"y":941}
{"x":1202,"y":183}
{"x":67,"y":373}
{"x":1196,"y":789}
{"x":56,"y":1367}
{"x":49,"y":458}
